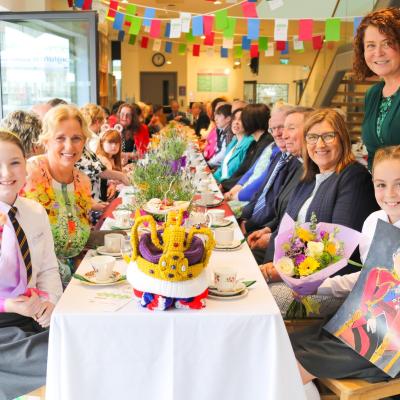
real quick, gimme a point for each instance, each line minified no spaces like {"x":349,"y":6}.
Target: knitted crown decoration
{"x":183,"y":255}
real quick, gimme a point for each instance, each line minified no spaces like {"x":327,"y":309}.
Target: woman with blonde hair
{"x":59,"y":187}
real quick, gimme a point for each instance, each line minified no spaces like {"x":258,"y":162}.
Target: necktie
{"x":260,"y":205}
{"x":23,"y":243}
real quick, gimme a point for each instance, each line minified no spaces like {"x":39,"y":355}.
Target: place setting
{"x":122,"y":219}
{"x":217,"y":219}
{"x":226,"y":286}
{"x":225,"y":239}
{"x":209,"y":199}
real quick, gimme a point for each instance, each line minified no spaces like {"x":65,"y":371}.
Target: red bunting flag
{"x":196,"y":50}
{"x":249,"y":9}
{"x":280,"y":45}
{"x":317,"y":42}
{"x":254,"y":50}
{"x":144,"y":42}
{"x":70,"y":3}
{"x":305,"y":29}
{"x":87,"y":5}
{"x":209,"y":39}
{"x":208,"y":22}
{"x":155,"y":28}
{"x":113,"y":9}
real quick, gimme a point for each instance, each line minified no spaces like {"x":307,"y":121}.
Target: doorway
{"x":158,"y":87}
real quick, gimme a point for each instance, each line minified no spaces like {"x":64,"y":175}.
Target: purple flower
{"x":299,"y":259}
{"x":323,"y":234}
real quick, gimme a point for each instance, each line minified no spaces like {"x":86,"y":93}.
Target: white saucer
{"x":114,"y":278}
{"x":240,"y":287}
{"x":236,"y":244}
{"x":231,"y":297}
{"x":214,"y":203}
{"x":102,"y":250}
{"x":224,"y":222}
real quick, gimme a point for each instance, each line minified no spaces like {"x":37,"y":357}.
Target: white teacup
{"x":122,"y":218}
{"x":224,"y":236}
{"x":207,"y":197}
{"x":103,"y":267}
{"x":225,"y":279}
{"x":197,"y":218}
{"x":202,"y":186}
{"x":112,"y":242}
{"x":216,"y":216}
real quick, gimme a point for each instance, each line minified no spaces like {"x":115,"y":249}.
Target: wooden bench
{"x":357,"y":389}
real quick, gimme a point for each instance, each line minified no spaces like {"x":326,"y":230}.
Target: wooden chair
{"x":357,"y":389}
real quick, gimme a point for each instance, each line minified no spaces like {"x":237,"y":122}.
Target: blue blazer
{"x":237,"y":157}
{"x":346,"y":198}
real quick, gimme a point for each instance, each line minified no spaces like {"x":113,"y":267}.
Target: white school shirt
{"x":34,"y":221}
{"x":341,"y":286}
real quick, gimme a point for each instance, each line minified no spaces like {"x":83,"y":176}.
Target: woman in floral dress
{"x":59,"y":187}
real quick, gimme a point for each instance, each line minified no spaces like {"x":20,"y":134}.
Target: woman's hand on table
{"x":42,"y":317}
{"x":233,"y":193}
{"x":111,"y":190}
{"x":269,"y":272}
{"x":99,"y":206}
{"x":23,"y":305}
{"x":259,"y":239}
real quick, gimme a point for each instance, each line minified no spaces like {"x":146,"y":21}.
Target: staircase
{"x":349,"y":97}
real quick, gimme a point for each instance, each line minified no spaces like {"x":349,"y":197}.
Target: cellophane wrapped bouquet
{"x":306,"y":254}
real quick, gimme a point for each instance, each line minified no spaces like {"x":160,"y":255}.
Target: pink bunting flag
{"x":280,"y":45}
{"x":196,"y":50}
{"x":144,"y":42}
{"x":317,"y":42}
{"x":249,"y":9}
{"x":209,"y":39}
{"x":208,"y":22}
{"x":155,"y":28}
{"x":305,"y":29}
{"x":254,"y":50}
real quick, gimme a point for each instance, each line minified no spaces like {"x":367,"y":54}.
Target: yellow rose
{"x":315,"y":249}
{"x":331,"y":248}
{"x":285,"y":265}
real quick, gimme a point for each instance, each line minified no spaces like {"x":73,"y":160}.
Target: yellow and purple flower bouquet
{"x":306,"y":254}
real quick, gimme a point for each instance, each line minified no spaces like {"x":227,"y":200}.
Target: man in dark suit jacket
{"x":177,"y":115}
{"x":293,"y":136}
{"x":200,"y":118}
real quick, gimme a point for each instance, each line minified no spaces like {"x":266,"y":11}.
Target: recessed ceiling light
{"x":169,"y":62}
{"x":217,"y":2}
{"x":202,"y":36}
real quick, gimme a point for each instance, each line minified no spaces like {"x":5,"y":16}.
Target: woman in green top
{"x":377,"y":52}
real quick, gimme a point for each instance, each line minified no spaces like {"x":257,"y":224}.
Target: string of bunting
{"x":191,"y":27}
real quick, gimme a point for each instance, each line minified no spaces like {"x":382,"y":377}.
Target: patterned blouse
{"x":67,"y":206}
{"x":384,"y":107}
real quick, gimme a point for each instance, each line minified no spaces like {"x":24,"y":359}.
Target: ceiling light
{"x":202,"y":36}
{"x":227,"y":71}
{"x":124,"y":1}
{"x":237,"y":62}
{"x":169,"y":62}
{"x":217,"y":2}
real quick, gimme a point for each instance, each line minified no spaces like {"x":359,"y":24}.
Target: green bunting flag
{"x":130,"y":12}
{"x":237,"y":52}
{"x":132,"y":39}
{"x":182,"y":49}
{"x":332,"y":30}
{"x":135,"y":26}
{"x":229,"y":31}
{"x":221,"y":21}
{"x":262,"y":43}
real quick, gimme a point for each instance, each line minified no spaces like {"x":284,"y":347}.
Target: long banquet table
{"x":236,"y":349}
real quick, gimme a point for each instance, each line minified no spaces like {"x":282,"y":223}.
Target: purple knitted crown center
{"x":151,"y":253}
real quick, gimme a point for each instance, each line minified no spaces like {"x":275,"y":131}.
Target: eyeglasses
{"x":275,"y":128}
{"x":327,"y":137}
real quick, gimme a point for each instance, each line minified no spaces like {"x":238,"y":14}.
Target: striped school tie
{"x":260,"y":205}
{"x":23,"y":243}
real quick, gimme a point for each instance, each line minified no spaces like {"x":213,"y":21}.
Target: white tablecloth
{"x":232,"y":349}
{"x":236,"y":349}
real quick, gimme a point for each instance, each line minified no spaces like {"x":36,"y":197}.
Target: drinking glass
{"x":126,"y":249}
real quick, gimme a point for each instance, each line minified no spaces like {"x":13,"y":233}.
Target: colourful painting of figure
{"x":369,"y":319}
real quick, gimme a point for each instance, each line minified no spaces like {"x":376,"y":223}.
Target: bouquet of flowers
{"x":307,"y":254}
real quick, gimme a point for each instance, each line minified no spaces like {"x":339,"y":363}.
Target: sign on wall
{"x":212,"y":82}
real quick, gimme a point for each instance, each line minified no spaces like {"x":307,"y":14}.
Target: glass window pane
{"x":43,"y":59}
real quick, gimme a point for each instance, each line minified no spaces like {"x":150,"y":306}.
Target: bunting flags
{"x":219,"y":29}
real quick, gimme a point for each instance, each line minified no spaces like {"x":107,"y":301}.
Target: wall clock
{"x":158,"y":59}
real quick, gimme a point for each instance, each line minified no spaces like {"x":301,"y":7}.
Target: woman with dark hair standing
{"x":377,"y":53}
{"x":255,"y":119}
{"x":135,"y":136}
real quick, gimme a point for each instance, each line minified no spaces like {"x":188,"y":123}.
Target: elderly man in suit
{"x":177,"y":115}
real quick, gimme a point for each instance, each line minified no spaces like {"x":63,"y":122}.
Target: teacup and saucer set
{"x":217,"y":219}
{"x":112,"y":245}
{"x":102,"y":272}
{"x":226,"y":286}
{"x":122,"y":218}
{"x":225,"y":239}
{"x":208,"y":199}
